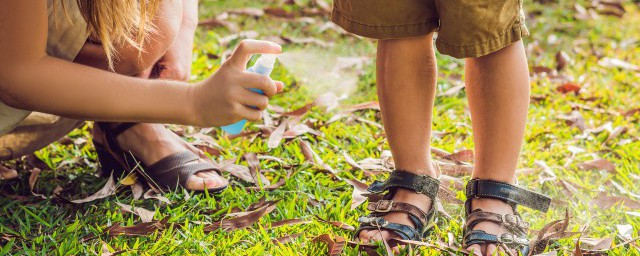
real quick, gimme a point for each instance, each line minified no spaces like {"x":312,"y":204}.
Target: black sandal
{"x":423,"y":222}
{"x":168,"y":173}
{"x":516,"y":235}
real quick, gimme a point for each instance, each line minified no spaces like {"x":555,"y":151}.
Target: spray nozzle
{"x":267,"y":60}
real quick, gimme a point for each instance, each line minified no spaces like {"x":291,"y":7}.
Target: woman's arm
{"x":32,"y":80}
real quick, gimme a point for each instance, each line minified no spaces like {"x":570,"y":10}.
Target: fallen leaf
{"x":254,"y":12}
{"x":7,"y":173}
{"x":155,"y":195}
{"x":137,"y":190}
{"x":605,"y":202}
{"x":374,"y":105}
{"x":455,"y":170}
{"x":339,"y":224}
{"x":313,"y":158}
{"x":276,"y":136}
{"x":254,"y":169}
{"x":108,"y":189}
{"x":552,"y":231}
{"x":145,"y":215}
{"x":625,"y":231}
{"x":359,"y":191}
{"x":286,"y":239}
{"x":597,"y":165}
{"x":243,"y":221}
{"x":279,"y":12}
{"x":289,"y":222}
{"x":616,"y":132}
{"x":243,"y":173}
{"x":298,"y":130}
{"x":334,"y":246}
{"x":140,"y":229}
{"x":300,"y":111}
{"x":575,"y":119}
{"x":569,"y":87}
{"x":597,"y":243}
{"x":562,"y":60}
{"x":631,"y":112}
{"x":33,"y":177}
{"x":616,"y":63}
{"x":461,"y":156}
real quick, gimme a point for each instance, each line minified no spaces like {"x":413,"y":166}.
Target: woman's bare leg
{"x":406,"y":78}
{"x":498,"y":89}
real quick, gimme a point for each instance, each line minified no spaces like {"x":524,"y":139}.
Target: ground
{"x":585,"y":101}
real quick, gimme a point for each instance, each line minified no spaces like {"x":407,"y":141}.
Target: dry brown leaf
{"x":33,"y":177}
{"x":289,"y":222}
{"x":575,"y":119}
{"x":108,"y":189}
{"x":313,"y":158}
{"x":300,"y":111}
{"x":445,"y":194}
{"x":605,"y":202}
{"x":279,"y":12}
{"x":461,"y":156}
{"x":155,"y":195}
{"x":334,"y":246}
{"x":214,"y":22}
{"x":7,"y":173}
{"x":562,"y":60}
{"x":455,"y":170}
{"x":137,"y":190}
{"x":616,"y":63}
{"x":209,"y":149}
{"x":358,"y":196}
{"x":597,"y":243}
{"x":254,"y":12}
{"x":243,"y":173}
{"x":139,"y":229}
{"x":552,"y":231}
{"x":597,"y":165}
{"x":145,"y":215}
{"x":364,"y":106}
{"x":244,"y":220}
{"x":286,"y":239}
{"x":569,"y":87}
{"x":298,"y":130}
{"x":276,"y":136}
{"x":631,"y":112}
{"x":339,"y":224}
{"x":616,"y":132}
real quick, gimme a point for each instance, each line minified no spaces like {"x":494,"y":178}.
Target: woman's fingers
{"x":241,"y":55}
{"x":253,"y":99}
{"x":260,"y":82}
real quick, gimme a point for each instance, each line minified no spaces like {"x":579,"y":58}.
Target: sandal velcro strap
{"x":511,"y":221}
{"x":174,"y":170}
{"x":385,"y":206}
{"x":506,"y":192}
{"x":481,"y":237}
{"x":422,"y":184}
{"x":404,"y":231}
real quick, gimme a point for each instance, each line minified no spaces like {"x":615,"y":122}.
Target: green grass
{"x":43,"y":227}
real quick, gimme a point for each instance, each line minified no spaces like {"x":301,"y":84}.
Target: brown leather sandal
{"x":515,"y":236}
{"x":168,"y":173}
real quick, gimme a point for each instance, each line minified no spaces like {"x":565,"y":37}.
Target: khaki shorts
{"x":466,"y":28}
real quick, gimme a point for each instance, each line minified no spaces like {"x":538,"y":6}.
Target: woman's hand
{"x":225,"y":98}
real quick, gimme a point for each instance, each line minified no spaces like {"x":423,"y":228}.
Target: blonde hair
{"x":118,"y":22}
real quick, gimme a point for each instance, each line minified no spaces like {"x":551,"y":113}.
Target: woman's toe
{"x":204,"y":180}
{"x":475,"y":249}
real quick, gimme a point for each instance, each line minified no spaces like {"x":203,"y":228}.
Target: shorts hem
{"x":383,"y":31}
{"x":516,"y":33}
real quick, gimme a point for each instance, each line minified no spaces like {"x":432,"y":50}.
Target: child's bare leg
{"x":406,"y":78}
{"x":498,"y":89}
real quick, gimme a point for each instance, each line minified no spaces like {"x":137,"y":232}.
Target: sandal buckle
{"x":506,"y":238}
{"x":383,"y":206}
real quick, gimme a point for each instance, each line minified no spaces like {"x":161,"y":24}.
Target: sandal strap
{"x":511,"y":194}
{"x":481,"y":237}
{"x":404,"y":231}
{"x":385,"y":206}
{"x":174,"y":170}
{"x":513,"y":222}
{"x":422,"y":184}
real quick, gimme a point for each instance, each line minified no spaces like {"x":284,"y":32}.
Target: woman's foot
{"x":495,"y":206}
{"x":421,"y":201}
{"x":152,"y":142}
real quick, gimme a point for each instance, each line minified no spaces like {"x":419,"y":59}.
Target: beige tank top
{"x":66,"y":36}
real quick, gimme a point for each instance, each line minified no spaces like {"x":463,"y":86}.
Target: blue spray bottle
{"x":264,"y":66}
